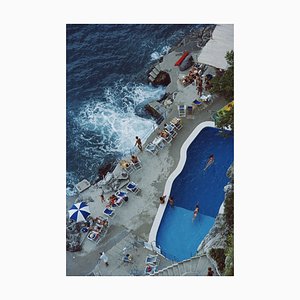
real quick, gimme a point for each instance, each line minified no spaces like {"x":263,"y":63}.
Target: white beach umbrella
{"x":79,"y":212}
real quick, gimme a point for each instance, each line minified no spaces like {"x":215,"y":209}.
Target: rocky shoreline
{"x":217,"y":235}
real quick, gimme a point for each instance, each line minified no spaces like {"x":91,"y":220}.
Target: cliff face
{"x":216,"y":237}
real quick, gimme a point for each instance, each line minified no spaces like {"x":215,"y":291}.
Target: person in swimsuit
{"x":211,"y":159}
{"x":196,"y":211}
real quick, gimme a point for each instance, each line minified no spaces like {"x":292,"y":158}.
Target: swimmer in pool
{"x":196,"y":211}
{"x":210,"y":161}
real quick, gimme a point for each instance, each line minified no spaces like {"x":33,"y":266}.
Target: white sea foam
{"x":158,"y":54}
{"x":71,"y":178}
{"x":113,"y":120}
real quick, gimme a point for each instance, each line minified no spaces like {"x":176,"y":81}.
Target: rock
{"x":217,"y":236}
{"x":230,"y":172}
{"x":163,"y":78}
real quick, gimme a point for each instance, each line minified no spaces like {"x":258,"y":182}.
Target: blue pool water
{"x":178,"y":236}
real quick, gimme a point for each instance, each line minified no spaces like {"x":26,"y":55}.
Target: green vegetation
{"x":225,"y":120}
{"x":223,"y":82}
{"x":218,"y":254}
{"x":223,"y":85}
{"x":224,"y":257}
{"x":228,"y":211}
{"x":229,"y":253}
{"x":229,"y":223}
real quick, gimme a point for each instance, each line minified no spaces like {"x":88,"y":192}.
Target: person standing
{"x":171,"y":201}
{"x":162,"y":199}
{"x":102,"y":198}
{"x":104,"y":257}
{"x":138,"y":143}
{"x":210,"y":272}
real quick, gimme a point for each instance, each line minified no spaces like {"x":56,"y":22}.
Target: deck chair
{"x":93,"y":236}
{"x":159,"y":142}
{"x":152,"y":148}
{"x":110,"y":212}
{"x":171,"y":130}
{"x":182,"y":111}
{"x":198,"y":104}
{"x":150,"y":269}
{"x":137,"y":165}
{"x":169,"y":138}
{"x":122,"y":194}
{"x":132,"y":187}
{"x":177,"y":123}
{"x":190,"y":112}
{"x":130,"y":169}
{"x":152,"y":259}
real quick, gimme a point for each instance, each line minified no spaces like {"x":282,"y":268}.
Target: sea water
{"x":107,"y":89}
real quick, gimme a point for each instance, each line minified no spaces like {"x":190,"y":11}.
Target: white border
{"x":183,"y":153}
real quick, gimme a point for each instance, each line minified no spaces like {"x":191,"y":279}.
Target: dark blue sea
{"x":107,"y":89}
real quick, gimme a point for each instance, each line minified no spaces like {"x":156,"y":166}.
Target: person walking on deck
{"x":104,"y":257}
{"x":138,"y":143}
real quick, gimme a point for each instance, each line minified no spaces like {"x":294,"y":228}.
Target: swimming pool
{"x":178,"y":237}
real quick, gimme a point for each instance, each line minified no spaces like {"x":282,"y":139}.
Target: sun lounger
{"x":137,"y":165}
{"x":82,"y":185}
{"x":121,"y":194}
{"x":132,"y":187}
{"x":190,"y":112}
{"x":122,"y":197}
{"x":159,"y":142}
{"x":177,"y":123}
{"x":93,"y":236}
{"x":153,"y":149}
{"x":150,"y":269}
{"x":173,"y":133}
{"x":168,"y":139}
{"x":129,"y":169}
{"x":182,"y":111}
{"x":152,"y":259}
{"x":110,"y":212}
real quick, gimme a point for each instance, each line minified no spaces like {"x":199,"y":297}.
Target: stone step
{"x":165,"y":273}
{"x":176,"y":270}
{"x":157,"y":68}
{"x":197,"y":265}
{"x":181,"y":268}
{"x":155,"y":71}
{"x":152,"y":74}
{"x":170,"y":272}
{"x":151,"y":78}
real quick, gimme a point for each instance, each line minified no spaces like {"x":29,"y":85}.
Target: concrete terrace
{"x":132,"y":222}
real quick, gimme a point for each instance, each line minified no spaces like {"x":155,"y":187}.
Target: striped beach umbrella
{"x":79,"y":212}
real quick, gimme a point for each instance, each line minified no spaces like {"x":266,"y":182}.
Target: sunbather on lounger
{"x":101,"y":222}
{"x":112,"y":200}
{"x":134,"y":159}
{"x":164,"y":134}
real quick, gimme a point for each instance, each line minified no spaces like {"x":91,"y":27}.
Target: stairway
{"x":153,"y":74}
{"x":194,"y":266}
